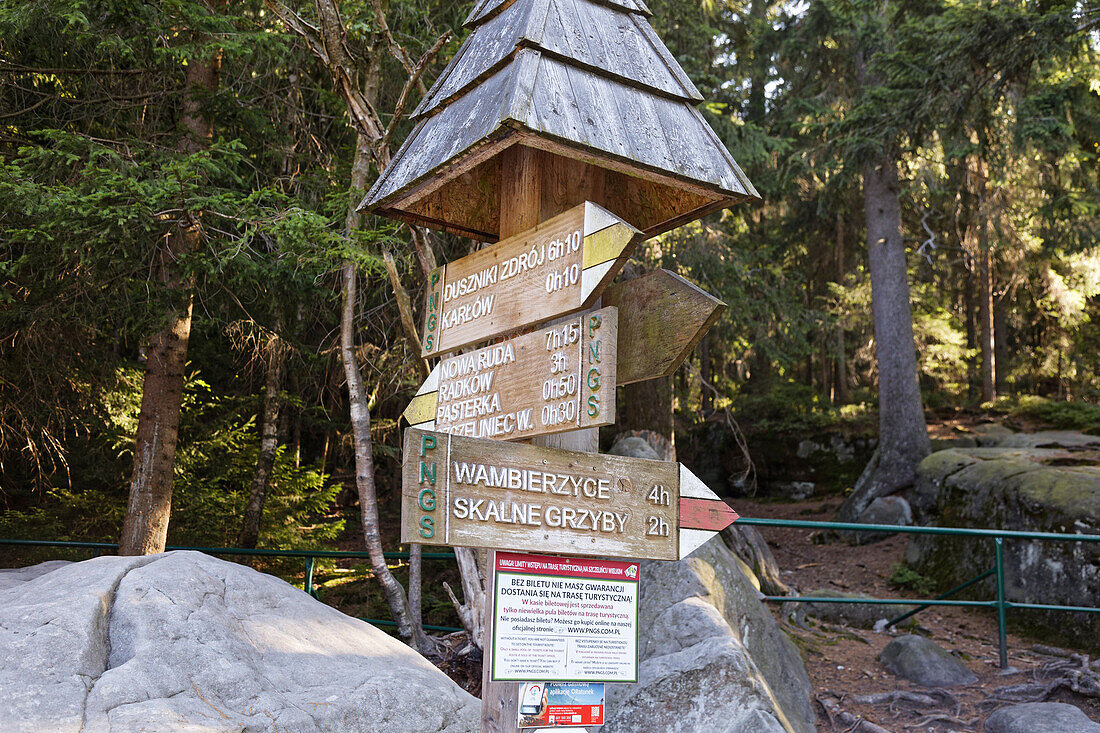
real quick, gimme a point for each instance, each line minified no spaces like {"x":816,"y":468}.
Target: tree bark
{"x":843,"y":396}
{"x":145,"y":526}
{"x":361,"y":419}
{"x":269,"y":444}
{"x":903,"y":435}
{"x":978,"y":225}
{"x":1002,"y":305}
{"x":985,"y":322}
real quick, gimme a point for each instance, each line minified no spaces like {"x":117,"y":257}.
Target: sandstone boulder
{"x":1040,"y":717}
{"x":1030,"y":489}
{"x":893,"y":510}
{"x":920,"y":660}
{"x":182,"y":641}
{"x":712,"y":658}
{"x":859,"y":615}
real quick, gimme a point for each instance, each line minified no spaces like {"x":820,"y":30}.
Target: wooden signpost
{"x":483,"y":493}
{"x":559,"y":267}
{"x":547,"y":381}
{"x":522,"y":135}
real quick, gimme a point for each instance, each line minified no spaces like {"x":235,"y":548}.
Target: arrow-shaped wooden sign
{"x":469,"y":492}
{"x":559,"y":267}
{"x":662,"y":317}
{"x":547,"y":381}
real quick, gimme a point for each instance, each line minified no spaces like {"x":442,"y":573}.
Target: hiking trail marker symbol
{"x":469,"y":492}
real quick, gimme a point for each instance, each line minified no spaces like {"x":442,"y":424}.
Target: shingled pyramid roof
{"x":582,"y":79}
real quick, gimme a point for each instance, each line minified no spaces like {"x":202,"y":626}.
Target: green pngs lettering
{"x":427,"y":527}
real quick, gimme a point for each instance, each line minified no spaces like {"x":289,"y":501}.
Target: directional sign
{"x":662,"y":317}
{"x":547,"y":381}
{"x":470,"y":492}
{"x":559,"y":267}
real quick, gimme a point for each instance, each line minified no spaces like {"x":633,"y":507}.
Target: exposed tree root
{"x":855,"y":724}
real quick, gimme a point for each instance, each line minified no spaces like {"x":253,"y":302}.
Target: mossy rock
{"x":1023,"y":489}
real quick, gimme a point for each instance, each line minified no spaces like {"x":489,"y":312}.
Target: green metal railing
{"x":1000,"y":604}
{"x":309,"y":556}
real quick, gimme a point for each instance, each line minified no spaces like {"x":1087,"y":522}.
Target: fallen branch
{"x":894,"y":697}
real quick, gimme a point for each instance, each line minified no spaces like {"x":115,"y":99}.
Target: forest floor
{"x":842,"y":660}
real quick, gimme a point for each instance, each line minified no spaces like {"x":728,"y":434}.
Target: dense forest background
{"x":120,"y":211}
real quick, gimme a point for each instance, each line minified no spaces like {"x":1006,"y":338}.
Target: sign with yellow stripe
{"x":559,"y":267}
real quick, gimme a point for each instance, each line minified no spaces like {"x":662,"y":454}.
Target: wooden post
{"x":534,"y":186}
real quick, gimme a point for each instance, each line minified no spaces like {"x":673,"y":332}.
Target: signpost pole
{"x":531,"y":192}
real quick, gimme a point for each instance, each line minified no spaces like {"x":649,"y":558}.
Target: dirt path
{"x":841,"y":660}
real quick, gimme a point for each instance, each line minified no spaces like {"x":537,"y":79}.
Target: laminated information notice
{"x":565,"y":619}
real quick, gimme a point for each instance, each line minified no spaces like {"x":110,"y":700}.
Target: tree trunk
{"x":985,"y":322}
{"x":269,"y":444}
{"x":706,"y":397}
{"x":976,"y":172}
{"x":843,"y":396}
{"x":1002,"y":304}
{"x":145,"y":527}
{"x":972,"y":339}
{"x":360,"y":417}
{"x":903,"y":435}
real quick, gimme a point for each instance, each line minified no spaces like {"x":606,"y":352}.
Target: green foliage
{"x":904,"y":577}
{"x":1083,"y":416}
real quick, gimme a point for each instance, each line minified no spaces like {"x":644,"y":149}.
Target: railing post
{"x":309,"y":577}
{"x":1002,"y":636}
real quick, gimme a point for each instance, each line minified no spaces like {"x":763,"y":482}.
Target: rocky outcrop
{"x":859,"y":615}
{"x":784,"y":462}
{"x":712,"y":658}
{"x":184,"y":641}
{"x":894,"y":510}
{"x":1053,"y":489}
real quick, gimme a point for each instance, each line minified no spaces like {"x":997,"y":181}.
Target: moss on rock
{"x":1019,"y":489}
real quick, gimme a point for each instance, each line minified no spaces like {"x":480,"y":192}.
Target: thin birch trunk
{"x":360,"y":418}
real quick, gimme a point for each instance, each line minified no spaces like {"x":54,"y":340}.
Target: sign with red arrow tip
{"x":470,"y":492}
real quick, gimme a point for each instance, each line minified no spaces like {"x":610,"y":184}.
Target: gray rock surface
{"x":883,"y":510}
{"x":185,"y":642}
{"x":859,"y":615}
{"x":712,"y":658}
{"x":990,"y":434}
{"x":1030,"y":489}
{"x":633,"y":447}
{"x":10,"y":577}
{"x":1068,"y":439}
{"x":920,"y":660}
{"x":793,"y":490}
{"x":1040,"y":717}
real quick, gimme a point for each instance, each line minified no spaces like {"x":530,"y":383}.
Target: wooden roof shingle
{"x":589,"y":79}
